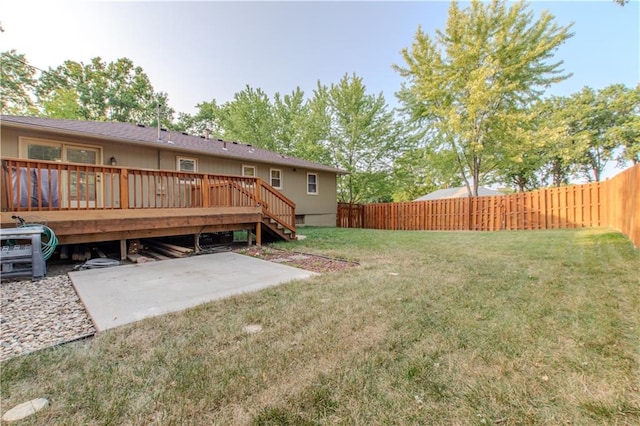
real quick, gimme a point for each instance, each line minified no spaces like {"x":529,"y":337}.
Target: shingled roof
{"x":171,"y":140}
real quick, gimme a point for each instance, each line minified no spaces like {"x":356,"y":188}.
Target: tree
{"x":63,"y":103}
{"x":249,"y":118}
{"x":17,"y":84}
{"x":301,"y":126}
{"x":363,"y":139}
{"x":209,"y":117}
{"x":340,"y":125}
{"x":578,"y":135}
{"x":602,"y":126}
{"x":290,"y":124}
{"x":117,"y":91}
{"x":590,"y":118}
{"x":558,"y":155}
{"x":626,"y":132}
{"x":540,"y":150}
{"x":472,"y":83}
{"x":420,"y":170}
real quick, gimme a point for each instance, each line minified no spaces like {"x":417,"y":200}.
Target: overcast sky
{"x":199,"y":51}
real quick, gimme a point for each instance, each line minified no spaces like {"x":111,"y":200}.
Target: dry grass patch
{"x":432,"y":328}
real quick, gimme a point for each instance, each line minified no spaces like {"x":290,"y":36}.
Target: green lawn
{"x":537,"y":327}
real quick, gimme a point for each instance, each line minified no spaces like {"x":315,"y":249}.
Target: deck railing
{"x":34,"y":185}
{"x":276,"y":206}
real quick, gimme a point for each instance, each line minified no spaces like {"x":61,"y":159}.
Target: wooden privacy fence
{"x":615,"y":202}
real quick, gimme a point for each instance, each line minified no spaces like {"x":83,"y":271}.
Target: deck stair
{"x":277,"y":229}
{"x":278,"y":212}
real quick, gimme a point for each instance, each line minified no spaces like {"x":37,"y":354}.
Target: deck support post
{"x":259,"y":234}
{"x":196,"y":243}
{"x":249,"y":237}
{"x":123,"y":249}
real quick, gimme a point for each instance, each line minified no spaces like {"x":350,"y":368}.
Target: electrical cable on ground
{"x":99,"y":263}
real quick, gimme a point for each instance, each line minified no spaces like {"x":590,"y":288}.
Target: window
{"x":187,"y":164}
{"x":248,"y":170}
{"x":79,"y":187}
{"x":276,"y":178}
{"x":44,"y":152}
{"x":48,"y":150}
{"x":312,"y":183}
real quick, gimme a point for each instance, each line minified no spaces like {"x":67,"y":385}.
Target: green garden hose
{"x":49,"y":241}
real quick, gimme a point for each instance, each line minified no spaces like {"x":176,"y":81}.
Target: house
{"x":459,"y":192}
{"x":55,"y":170}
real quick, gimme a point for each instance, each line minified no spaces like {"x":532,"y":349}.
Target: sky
{"x":200,"y":51}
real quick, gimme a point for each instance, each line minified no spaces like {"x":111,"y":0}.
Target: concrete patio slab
{"x":124,"y":294}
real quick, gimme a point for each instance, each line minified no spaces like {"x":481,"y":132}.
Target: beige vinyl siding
{"x":295,"y":187}
{"x":126,"y":155}
{"x":10,"y":142}
{"x":320,"y":219}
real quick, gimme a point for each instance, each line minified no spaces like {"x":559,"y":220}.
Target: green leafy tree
{"x":591,"y":118}
{"x":578,"y":135}
{"x":249,"y":118}
{"x":626,"y":132}
{"x":162,"y":111}
{"x":538,"y":151}
{"x":289,"y":114}
{"x":559,"y":155}
{"x":471,"y":84}
{"x":210,"y":116}
{"x":116,"y":91}
{"x":300,"y":126}
{"x":340,"y":125}
{"x":17,"y":84}
{"x":420,"y":170}
{"x":290,"y":124}
{"x":63,"y":103}
{"x":130,"y":95}
{"x":363,"y":139}
{"x":88,"y":83}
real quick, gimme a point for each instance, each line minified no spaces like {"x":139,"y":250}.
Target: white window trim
{"x":195,"y":164}
{"x":271,"y":178}
{"x":317,"y":185}
{"x":24,"y":141}
{"x":248,"y":166}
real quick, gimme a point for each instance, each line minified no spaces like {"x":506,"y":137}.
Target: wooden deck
{"x":85,"y":203}
{"x":87,"y":226}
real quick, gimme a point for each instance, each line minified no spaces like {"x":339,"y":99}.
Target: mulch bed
{"x":307,"y":261}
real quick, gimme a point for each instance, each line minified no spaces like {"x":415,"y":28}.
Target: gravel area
{"x":38,"y":314}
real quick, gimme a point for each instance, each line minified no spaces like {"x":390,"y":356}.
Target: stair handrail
{"x":291,"y":224}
